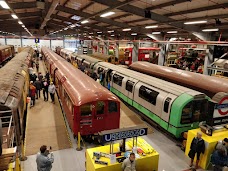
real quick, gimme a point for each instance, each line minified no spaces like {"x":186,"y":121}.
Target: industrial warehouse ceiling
{"x":127,"y":18}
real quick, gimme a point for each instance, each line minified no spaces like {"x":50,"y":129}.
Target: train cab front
{"x":99,"y":116}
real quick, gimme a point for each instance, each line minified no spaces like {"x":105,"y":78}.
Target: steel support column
{"x":106,"y":48}
{"x":161,"y":57}
{"x":135,"y":52}
{"x":117,"y":50}
{"x":208,"y":60}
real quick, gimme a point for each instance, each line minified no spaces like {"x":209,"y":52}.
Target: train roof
{"x":100,"y":55}
{"x":12,"y":80}
{"x":81,"y":88}
{"x":4,"y":46}
{"x":66,"y":51}
{"x":89,"y":58}
{"x":204,"y":83}
{"x":152,"y":81}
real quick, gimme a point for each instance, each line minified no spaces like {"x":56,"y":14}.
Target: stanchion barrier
{"x":22,"y":157}
{"x":79,"y":148}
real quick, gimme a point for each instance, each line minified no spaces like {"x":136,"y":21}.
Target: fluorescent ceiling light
{"x":110,"y":31}
{"x":20,"y":22}
{"x":90,"y":33}
{"x":170,"y":32}
{"x":72,"y":26}
{"x":85,"y":21}
{"x":195,"y":22}
{"x":134,"y":34}
{"x":156,"y":32}
{"x":107,"y":14}
{"x":99,"y":32}
{"x":127,"y":29}
{"x":66,"y":28}
{"x":112,"y":35}
{"x":148,"y":27}
{"x":23,"y":26}
{"x":4,"y":5}
{"x":14,"y":16}
{"x":208,"y":30}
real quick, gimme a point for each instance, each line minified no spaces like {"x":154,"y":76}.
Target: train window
{"x":148,"y":94}
{"x":186,"y":116}
{"x":117,"y":79}
{"x":193,"y":111}
{"x":112,"y":107}
{"x":129,"y":86}
{"x":100,"y":108}
{"x":86,"y":110}
{"x":100,"y":70}
{"x":166,"y":105}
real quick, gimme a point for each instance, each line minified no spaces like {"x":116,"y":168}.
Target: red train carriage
{"x":6,"y":52}
{"x":58,"y":49}
{"x":89,"y":107}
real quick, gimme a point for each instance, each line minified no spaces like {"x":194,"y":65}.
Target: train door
{"x":118,"y":85}
{"x":129,"y":89}
{"x":55,"y":79}
{"x":166,"y":109}
{"x":100,"y":115}
{"x":87,"y":112}
{"x":107,"y":77}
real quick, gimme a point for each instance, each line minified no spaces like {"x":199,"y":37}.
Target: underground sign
{"x":220,"y":115}
{"x":221,"y":109}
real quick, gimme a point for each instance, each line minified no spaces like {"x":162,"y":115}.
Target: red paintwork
{"x":143,"y":51}
{"x":81,"y":89}
{"x":6,"y":52}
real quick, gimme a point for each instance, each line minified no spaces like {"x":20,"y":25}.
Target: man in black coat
{"x":197,"y":147}
{"x":38,"y":86}
{"x":45,"y":85}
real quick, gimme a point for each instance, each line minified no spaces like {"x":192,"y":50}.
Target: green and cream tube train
{"x":175,"y":108}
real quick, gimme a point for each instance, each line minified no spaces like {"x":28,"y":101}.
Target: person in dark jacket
{"x":37,"y":66}
{"x":40,"y":76}
{"x":197,"y":147}
{"x":45,"y":89}
{"x":82,"y":67}
{"x":219,"y":159}
{"x":44,"y":162}
{"x":38,"y":86}
{"x":47,"y":76}
{"x":33,"y":77}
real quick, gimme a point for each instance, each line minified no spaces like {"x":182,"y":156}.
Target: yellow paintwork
{"x":210,"y":143}
{"x":16,"y":167}
{"x":144,"y":163}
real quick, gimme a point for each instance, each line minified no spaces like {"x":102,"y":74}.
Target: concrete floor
{"x":171,"y":156}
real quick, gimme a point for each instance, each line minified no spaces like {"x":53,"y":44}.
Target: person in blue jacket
{"x":44,"y":162}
